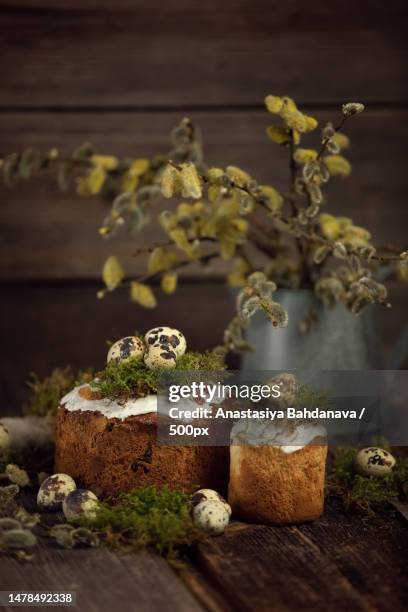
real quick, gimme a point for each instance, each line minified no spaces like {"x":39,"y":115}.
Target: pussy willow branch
{"x":244,"y":255}
{"x":181,"y":264}
{"x":313,"y":237}
{"x":55,"y":158}
{"x":306,"y":267}
{"x":293,"y":171}
{"x":240,"y":250}
{"x":300,"y":245}
{"x":170,"y":243}
{"x":262,"y":244}
{"x":324,"y":241}
{"x":327,"y":140}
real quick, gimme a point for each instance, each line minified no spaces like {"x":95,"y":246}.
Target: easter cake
{"x":106,"y":430}
{"x":277,"y":474}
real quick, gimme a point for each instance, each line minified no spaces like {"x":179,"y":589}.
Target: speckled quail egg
{"x":374,"y":461}
{"x":130,"y":346}
{"x":209,"y":495}
{"x":78,"y":504}
{"x":211,"y":516}
{"x":167,"y":335}
{"x":53,"y":491}
{"x":4,"y":438}
{"x":160,"y":356}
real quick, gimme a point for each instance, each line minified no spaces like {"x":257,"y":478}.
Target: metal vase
{"x":338,"y":340}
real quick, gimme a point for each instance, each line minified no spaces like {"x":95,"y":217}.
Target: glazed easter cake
{"x":106,"y":430}
{"x":286,"y":463}
{"x":277,"y":468}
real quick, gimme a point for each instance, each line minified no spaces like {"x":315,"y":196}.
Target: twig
{"x":170,"y":243}
{"x":317,"y":238}
{"x":181,"y":264}
{"x":243,"y":254}
{"x":293,"y":170}
{"x":327,"y":140}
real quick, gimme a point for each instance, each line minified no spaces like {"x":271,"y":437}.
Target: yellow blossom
{"x":273,"y":104}
{"x":304,"y":156}
{"x":273,"y":197}
{"x":311,"y":123}
{"x":112,"y":273}
{"x":131,"y":177}
{"x":239,"y":272}
{"x":169,"y":282}
{"x":142,"y":294}
{"x":337,"y":165}
{"x":341,"y":140}
{"x":278,"y":134}
{"x":107,"y":162}
{"x":402,"y":271}
{"x":238,"y":177}
{"x":214,"y":174}
{"x":91,"y":183}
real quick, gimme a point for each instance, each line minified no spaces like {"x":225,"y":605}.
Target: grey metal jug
{"x":338,"y":340}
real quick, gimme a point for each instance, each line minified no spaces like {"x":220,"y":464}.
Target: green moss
{"x":124,"y":379}
{"x":159,"y":519}
{"x":343,"y":465}
{"x":372,"y":493}
{"x":362,"y":493}
{"x":210,"y":361}
{"x":47,"y":392}
{"x":309,"y":398}
{"x":132,"y":378}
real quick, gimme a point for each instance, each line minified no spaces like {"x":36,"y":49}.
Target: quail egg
{"x":209,"y":495}
{"x":53,"y":491}
{"x":79,"y":503}
{"x":374,"y":461}
{"x":169,"y":336}
{"x":211,"y":516}
{"x":160,"y":356}
{"x":130,"y":346}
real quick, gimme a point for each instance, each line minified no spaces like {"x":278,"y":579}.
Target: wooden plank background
{"x":121,"y":74}
{"x":124,"y":53}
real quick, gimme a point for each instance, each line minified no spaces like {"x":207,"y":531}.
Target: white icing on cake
{"x":286,"y":435}
{"x":109,"y":408}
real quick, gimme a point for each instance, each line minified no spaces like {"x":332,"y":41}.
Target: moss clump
{"x":210,"y":361}
{"x":125,"y":379}
{"x":148,"y":517}
{"x":343,"y":464}
{"x":132,"y":378}
{"x":362,"y":493}
{"x":47,"y":392}
{"x":309,"y":398}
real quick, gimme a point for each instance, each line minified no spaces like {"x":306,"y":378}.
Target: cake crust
{"x":268,"y":485}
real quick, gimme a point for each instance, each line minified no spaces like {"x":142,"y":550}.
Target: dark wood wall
{"x":121,"y":74}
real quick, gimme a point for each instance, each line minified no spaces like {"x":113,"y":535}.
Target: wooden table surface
{"x":340,"y":562}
